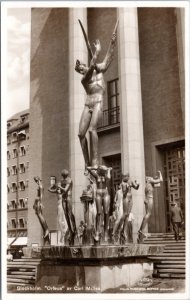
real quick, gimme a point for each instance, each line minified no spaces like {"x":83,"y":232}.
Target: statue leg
{"x":146,"y":218}
{"x":83,"y":127}
{"x":64,"y":203}
{"x":106,"y":207}
{"x":97,"y":111}
{"x":98,"y":215}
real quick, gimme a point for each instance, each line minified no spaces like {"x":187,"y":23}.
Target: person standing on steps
{"x":176,"y":219}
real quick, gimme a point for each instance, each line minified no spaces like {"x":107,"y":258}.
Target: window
{"x":22,"y":168}
{"x":21,"y":203}
{"x":9,"y":124}
{"x":8,"y":172}
{"x":13,"y":223}
{"x":14,"y":170}
{"x":14,"y":137}
{"x":14,"y":187}
{"x":13,"y":204}
{"x":26,"y":183}
{"x":15,"y":153}
{"x":8,"y":188}
{"x":8,"y":139}
{"x":8,"y":155}
{"x":8,"y":205}
{"x":113,"y":101}
{"x":26,"y":202}
{"x":27,"y":164}
{"x":22,"y":151}
{"x":21,"y":185}
{"x":21,"y":222}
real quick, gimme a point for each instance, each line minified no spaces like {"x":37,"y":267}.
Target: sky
{"x":18,"y":59}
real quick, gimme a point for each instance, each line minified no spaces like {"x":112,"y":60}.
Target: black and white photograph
{"x":95,"y":150}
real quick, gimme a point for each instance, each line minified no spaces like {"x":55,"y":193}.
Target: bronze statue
{"x":66,"y":188}
{"x":102,"y":176}
{"x":60,"y":212}
{"x":149,"y":189}
{"x":94,"y":85}
{"x":126,"y":185}
{"x":38,"y":210}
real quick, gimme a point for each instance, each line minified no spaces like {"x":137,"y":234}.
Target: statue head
{"x":80,"y":67}
{"x":37,"y":179}
{"x":126,"y":177}
{"x":64,"y":173}
{"x":102,"y":170}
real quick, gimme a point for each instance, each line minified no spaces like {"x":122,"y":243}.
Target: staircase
{"x":171,"y":263}
{"x":22,"y":272}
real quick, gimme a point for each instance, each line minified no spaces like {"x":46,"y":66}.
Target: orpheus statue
{"x":149,"y":189}
{"x":102,"y":176}
{"x":38,"y":210}
{"x":94,"y":85}
{"x":126,"y":185}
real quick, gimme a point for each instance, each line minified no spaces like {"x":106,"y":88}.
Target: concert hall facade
{"x":142,"y":126}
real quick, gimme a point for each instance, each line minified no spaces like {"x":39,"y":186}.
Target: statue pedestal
{"x":90,"y":269}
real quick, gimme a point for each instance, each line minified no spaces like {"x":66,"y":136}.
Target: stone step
{"x":174,"y":250}
{"x":27,"y":259}
{"x":168,"y":266}
{"x":23,"y":263}
{"x":13,"y":284}
{"x":168,"y":242}
{"x":171,"y":271}
{"x":20,"y":273}
{"x":171,"y":275}
{"x":21,"y":276}
{"x":164,"y":257}
{"x":20,"y":266}
{"x":176,"y":262}
{"x":18,"y":280}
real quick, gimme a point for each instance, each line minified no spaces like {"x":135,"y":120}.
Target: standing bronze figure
{"x":149,"y":189}
{"x":126,"y":186}
{"x":102,"y":175}
{"x":66,"y":188}
{"x":94,"y":85}
{"x":60,"y":212}
{"x":38,"y":210}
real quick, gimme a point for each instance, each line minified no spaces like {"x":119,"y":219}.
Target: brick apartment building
{"x":142,"y":129}
{"x":17,"y":178}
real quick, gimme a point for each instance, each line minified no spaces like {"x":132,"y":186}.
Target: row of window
{"x":22,"y":203}
{"x":22,"y":152}
{"x":16,"y":136}
{"x":14,"y":170}
{"x":21,"y":186}
{"x":21,"y":223}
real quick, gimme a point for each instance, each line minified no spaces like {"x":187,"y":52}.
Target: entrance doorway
{"x":174,"y":169}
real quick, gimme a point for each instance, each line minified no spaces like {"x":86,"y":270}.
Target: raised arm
{"x":157,"y":180}
{"x":102,"y":67}
{"x":93,"y":171}
{"x":135,"y":185}
{"x":93,"y":61}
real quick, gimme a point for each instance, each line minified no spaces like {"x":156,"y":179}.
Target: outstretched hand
{"x":97,"y":45}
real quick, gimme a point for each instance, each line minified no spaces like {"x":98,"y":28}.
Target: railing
{"x":110,"y":117}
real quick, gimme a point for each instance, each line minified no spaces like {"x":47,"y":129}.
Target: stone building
{"x":142,"y":129}
{"x":17,"y":178}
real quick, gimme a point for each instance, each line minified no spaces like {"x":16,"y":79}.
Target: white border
{"x":22,"y":4}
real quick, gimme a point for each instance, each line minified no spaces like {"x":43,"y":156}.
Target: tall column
{"x":132,"y":141}
{"x":180,"y":34}
{"x":77,"y":50}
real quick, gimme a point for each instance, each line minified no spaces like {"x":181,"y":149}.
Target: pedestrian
{"x":176,"y":219}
